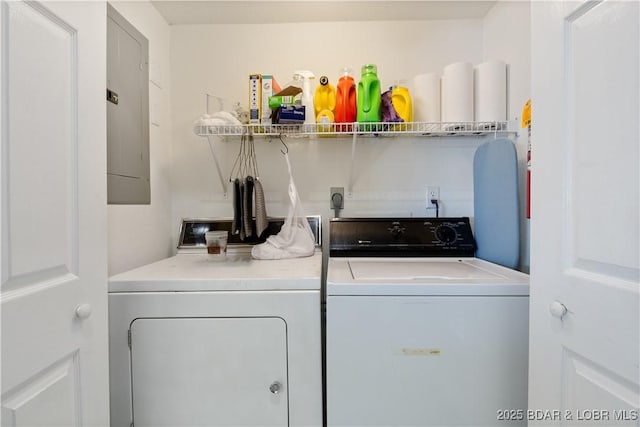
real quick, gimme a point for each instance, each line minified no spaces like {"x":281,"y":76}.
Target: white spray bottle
{"x":307,"y":95}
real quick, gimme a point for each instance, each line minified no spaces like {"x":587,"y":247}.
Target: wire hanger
{"x":246,"y":163}
{"x":252,"y":157}
{"x":236,"y":169}
{"x":285,"y":145}
{"x":217,"y":98}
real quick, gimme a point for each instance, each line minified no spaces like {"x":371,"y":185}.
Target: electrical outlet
{"x":337,"y":200}
{"x":336,"y":197}
{"x":433,"y":193}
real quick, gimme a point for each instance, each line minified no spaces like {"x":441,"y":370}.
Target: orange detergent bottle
{"x":346,"y":108}
{"x":324,"y":103}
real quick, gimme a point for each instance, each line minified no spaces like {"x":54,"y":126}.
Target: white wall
{"x":506,"y":36}
{"x":139,"y":234}
{"x":391,"y":175}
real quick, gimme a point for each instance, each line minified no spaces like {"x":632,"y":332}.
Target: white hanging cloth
{"x":295,"y":238}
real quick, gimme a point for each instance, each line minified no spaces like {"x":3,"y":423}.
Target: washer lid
{"x":412,"y":270}
{"x":423,"y":276}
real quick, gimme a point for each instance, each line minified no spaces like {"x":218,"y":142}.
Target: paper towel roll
{"x":426,"y":97}
{"x":490,"y":91}
{"x":457,"y":92}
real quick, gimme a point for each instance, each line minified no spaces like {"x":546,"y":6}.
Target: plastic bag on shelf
{"x":219,"y":118}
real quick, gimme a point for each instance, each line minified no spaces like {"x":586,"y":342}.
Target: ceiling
{"x":272,"y":12}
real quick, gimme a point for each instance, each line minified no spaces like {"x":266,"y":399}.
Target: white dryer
{"x":419,"y":332}
{"x":196,"y":342}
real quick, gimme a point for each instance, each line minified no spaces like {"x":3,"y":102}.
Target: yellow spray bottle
{"x":324,"y":103}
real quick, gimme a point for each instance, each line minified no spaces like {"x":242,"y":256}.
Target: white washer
{"x":197,"y":342}
{"x":422,"y":341}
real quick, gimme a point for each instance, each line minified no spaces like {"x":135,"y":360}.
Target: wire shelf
{"x":433,"y":129}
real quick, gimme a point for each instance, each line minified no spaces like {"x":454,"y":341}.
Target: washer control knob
{"x":446,"y":234}
{"x":558,"y":309}
{"x":396,"y":229}
{"x":275,"y":387}
{"x":83,"y":311}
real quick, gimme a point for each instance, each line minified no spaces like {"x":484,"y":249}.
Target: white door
{"x":53,"y":181}
{"x":209,"y":372}
{"x":584,"y":364}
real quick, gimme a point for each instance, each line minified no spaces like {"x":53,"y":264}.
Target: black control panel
{"x":404,"y":237}
{"x":192,"y":231}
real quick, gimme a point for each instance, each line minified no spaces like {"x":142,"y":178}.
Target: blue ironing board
{"x":495,"y":189}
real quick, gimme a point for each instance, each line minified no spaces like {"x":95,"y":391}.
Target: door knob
{"x":275,"y":387}
{"x":557,"y":309}
{"x":83,"y":311}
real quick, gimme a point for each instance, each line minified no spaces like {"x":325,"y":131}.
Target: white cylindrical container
{"x":457,"y":92}
{"x":490,"y":91}
{"x":426,"y":98}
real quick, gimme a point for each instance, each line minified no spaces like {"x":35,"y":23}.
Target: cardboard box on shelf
{"x":255,"y":102}
{"x":289,"y":115}
{"x":286,"y":96}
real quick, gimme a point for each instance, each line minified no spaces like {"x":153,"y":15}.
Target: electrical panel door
{"x":127,"y":100}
